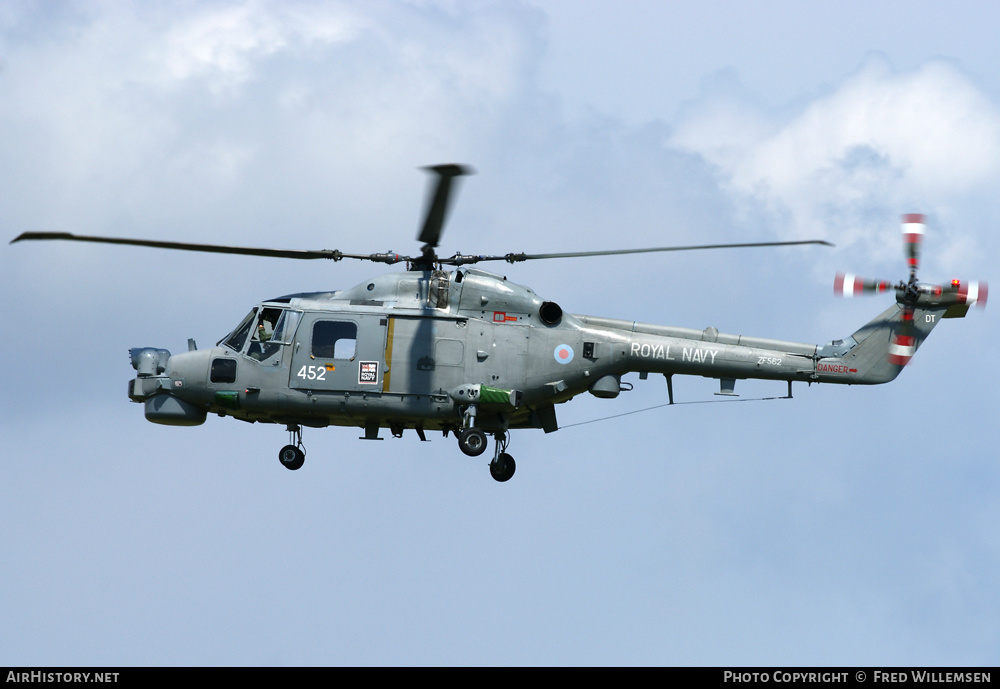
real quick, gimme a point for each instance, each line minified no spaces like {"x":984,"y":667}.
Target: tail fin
{"x":888,"y":342}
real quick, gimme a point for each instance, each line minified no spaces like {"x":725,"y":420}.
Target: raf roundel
{"x":563,"y":354}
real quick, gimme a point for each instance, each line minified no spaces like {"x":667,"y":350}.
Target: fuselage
{"x":415,"y":349}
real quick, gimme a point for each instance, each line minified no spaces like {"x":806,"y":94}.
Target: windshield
{"x":266,"y":328}
{"x":236,"y":339}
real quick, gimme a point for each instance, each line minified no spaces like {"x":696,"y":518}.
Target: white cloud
{"x":224,"y":41}
{"x":881,"y":143}
{"x":146,"y":109}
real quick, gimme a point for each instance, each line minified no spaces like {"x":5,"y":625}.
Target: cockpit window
{"x":274,"y":328}
{"x":284,"y":329}
{"x":236,"y":339}
{"x":266,"y":328}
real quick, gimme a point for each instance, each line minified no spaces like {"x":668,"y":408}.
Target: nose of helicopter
{"x":169,"y":384}
{"x":189,"y":369}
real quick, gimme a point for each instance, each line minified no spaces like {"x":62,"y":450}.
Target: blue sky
{"x":849,"y":526}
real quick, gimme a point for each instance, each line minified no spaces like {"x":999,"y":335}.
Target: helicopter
{"x":445,"y":346}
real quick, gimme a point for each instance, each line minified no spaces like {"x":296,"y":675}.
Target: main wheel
{"x":291,"y":457}
{"x":502,"y":468}
{"x":472,"y":441}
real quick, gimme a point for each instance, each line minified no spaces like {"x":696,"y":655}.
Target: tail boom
{"x":874,"y":354}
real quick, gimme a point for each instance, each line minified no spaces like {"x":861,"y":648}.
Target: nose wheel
{"x":293,"y":455}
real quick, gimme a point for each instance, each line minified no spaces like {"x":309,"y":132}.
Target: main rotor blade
{"x":331,"y":254}
{"x":516,"y":258}
{"x":430,"y":234}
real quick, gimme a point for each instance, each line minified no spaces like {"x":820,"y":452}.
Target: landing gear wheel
{"x":502,"y":468}
{"x":472,"y":441}
{"x":291,"y":457}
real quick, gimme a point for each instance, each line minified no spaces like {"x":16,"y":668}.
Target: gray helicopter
{"x":469,"y":352}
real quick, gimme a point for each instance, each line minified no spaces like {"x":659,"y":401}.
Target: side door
{"x":339,"y":351}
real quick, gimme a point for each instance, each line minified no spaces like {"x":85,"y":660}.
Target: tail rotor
{"x":850,"y":285}
{"x":952,"y":300}
{"x":913,"y":236}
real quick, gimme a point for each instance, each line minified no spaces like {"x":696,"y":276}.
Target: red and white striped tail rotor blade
{"x":973,"y":292}
{"x":913,"y":236}
{"x":901,"y":349}
{"x":903,"y":345}
{"x":850,"y":285}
